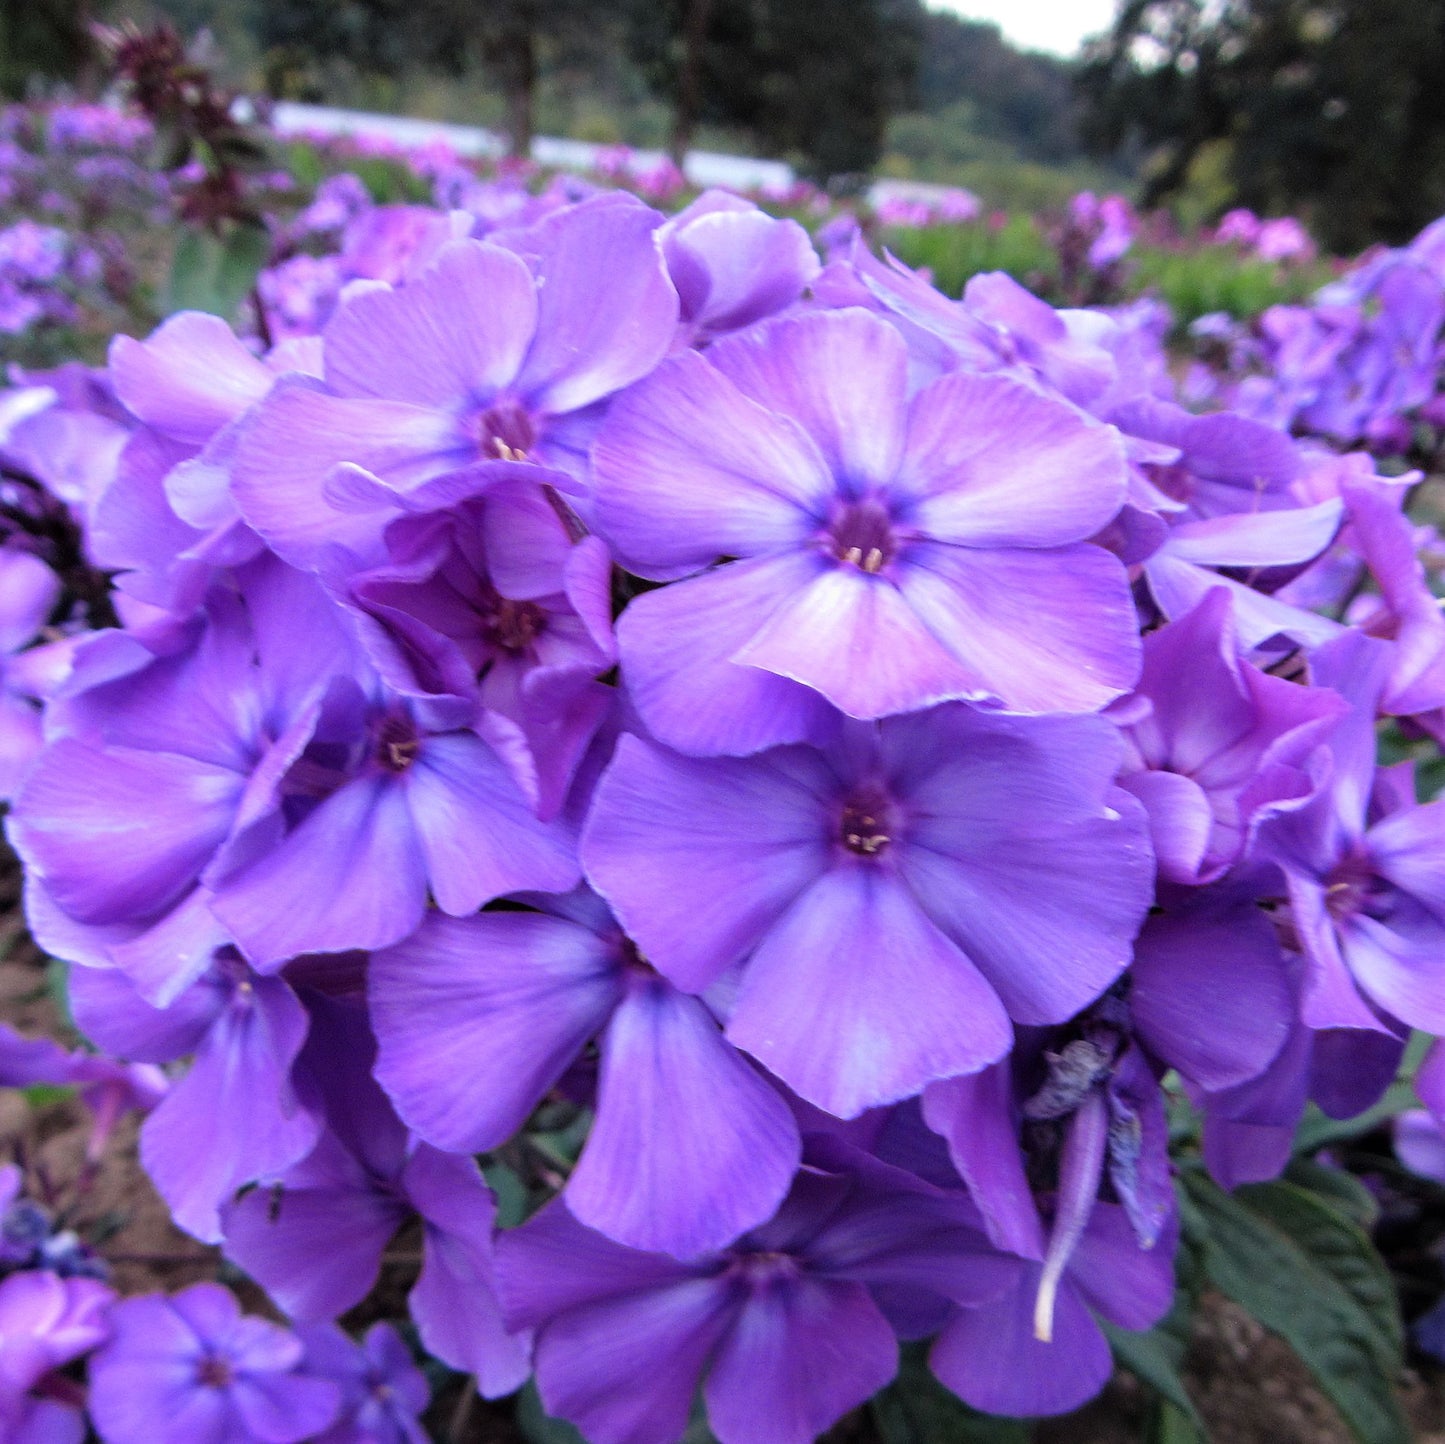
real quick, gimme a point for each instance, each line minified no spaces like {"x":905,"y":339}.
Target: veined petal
{"x":855,"y":998}
{"x":677,"y":646}
{"x":477,"y":1017}
{"x":1042,"y":631}
{"x":992,"y":462}
{"x":691,"y":1147}
{"x":688,"y":469}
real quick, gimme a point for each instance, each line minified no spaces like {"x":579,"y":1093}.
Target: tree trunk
{"x":519,"y":81}
{"x":689,"y":79}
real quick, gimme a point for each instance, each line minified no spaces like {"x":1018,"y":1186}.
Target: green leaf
{"x":215,"y":274}
{"x":1334,"y":1186}
{"x":916,"y":1409}
{"x":537,"y":1426}
{"x":1154,"y":1356}
{"x":1171,"y":1425}
{"x":42,"y":1095}
{"x":510,"y":1190}
{"x":1311,"y":1276}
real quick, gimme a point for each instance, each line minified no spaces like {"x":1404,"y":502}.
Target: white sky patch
{"x":1057,"y":26}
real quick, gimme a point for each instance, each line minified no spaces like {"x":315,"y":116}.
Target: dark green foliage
{"x":1330,"y":107}
{"x":916,"y":1409}
{"x":812,"y":79}
{"x":1308,"y":1273}
{"x":42,"y":39}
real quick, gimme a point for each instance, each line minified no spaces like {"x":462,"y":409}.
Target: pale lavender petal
{"x":120,"y":834}
{"x":189,"y":378}
{"x":1021,"y":470}
{"x":841,"y":375}
{"x":699,"y":859}
{"x":678,"y":644}
{"x":591,"y":339}
{"x":1042,"y":631}
{"x":350,"y":876}
{"x":453,"y":337}
{"x":687,"y":469}
{"x":849,"y":1037}
{"x":476,"y":1018}
{"x":475,"y":831}
{"x":691,"y":1146}
{"x":856,"y":639}
{"x":799,"y":1356}
{"x":1180,"y":821}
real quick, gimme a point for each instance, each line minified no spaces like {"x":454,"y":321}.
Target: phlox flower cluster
{"x":1360,"y":364}
{"x":773,"y":763}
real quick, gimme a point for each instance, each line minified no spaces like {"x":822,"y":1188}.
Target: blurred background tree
{"x":43,"y":40}
{"x":1331,"y":108}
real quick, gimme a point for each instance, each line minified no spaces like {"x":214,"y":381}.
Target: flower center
{"x":861,"y":535}
{"x":396,"y":743}
{"x":514,"y":626}
{"x":505,"y":432}
{"x":1354,"y":888}
{"x":214,"y":1372}
{"x":863,"y":827}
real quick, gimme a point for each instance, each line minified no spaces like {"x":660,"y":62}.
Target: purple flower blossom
{"x":884,"y":895}
{"x":382,"y":1391}
{"x":192,"y":1368}
{"x":783,"y":1327}
{"x":477,"y":1018}
{"x":888,"y":558}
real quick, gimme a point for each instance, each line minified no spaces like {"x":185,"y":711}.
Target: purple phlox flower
{"x":1245,"y":553}
{"x":45,"y":1322}
{"x":380,"y":811}
{"x":1037,"y":1349}
{"x":72,"y":450}
{"x":1364,"y":868}
{"x":889,"y":557}
{"x":1420,"y":1144}
{"x":314,"y":1238}
{"x":152,"y":772}
{"x":29,"y":591}
{"x":1407,"y":611}
{"x":788,"y":1328}
{"x":493,"y":602}
{"x":192,"y":1369}
{"x":382,"y":1390}
{"x":1240,"y":224}
{"x":884,"y":895}
{"x":733,"y":264}
{"x":1283,"y":239}
{"x":1074,"y":1110}
{"x":339,"y":199}
{"x":299,"y":295}
{"x":1215,"y":739}
{"x":168,"y":520}
{"x":476,"y":1018}
{"x":497,"y":351}
{"x":245,"y":1032}
{"x":395,"y":243}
